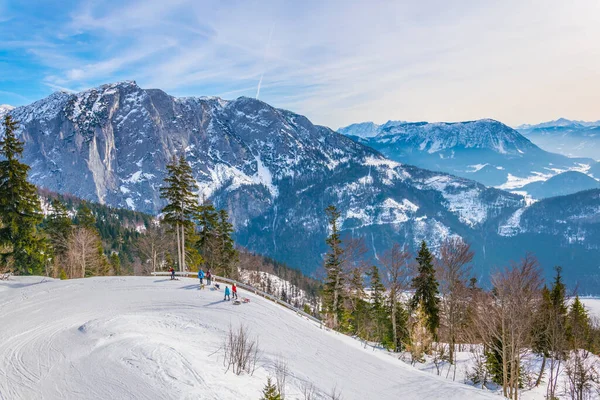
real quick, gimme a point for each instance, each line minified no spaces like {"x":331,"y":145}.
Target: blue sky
{"x":337,"y":62}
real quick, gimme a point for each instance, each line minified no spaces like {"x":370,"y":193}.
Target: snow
{"x":477,"y":167}
{"x":512,"y":226}
{"x":592,"y":304}
{"x":465,"y":363}
{"x":387,"y":212}
{"x":152,"y":338}
{"x":515,"y":182}
{"x":136,"y":177}
{"x":461,"y":200}
{"x":381,"y":162}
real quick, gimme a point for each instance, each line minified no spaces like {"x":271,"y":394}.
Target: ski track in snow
{"x":152,"y":338}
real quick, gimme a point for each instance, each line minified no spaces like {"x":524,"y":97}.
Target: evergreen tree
{"x":58,"y":226}
{"x":378,"y":312}
{"x":578,"y":325}
{"x":181,"y":205}
{"x":208,"y":241}
{"x":333,"y":296}
{"x":85,"y":217}
{"x":23,"y":248}
{"x":270,"y":391}
{"x":358,"y":308}
{"x":115,"y":263}
{"x":426,"y":289}
{"x":228,"y":255}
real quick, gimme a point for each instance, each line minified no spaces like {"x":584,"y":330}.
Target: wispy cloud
{"x":337,"y":62}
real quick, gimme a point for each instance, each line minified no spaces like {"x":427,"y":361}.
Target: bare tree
{"x":152,"y":247}
{"x":398,"y":277}
{"x":309,"y":392}
{"x":281,"y":374}
{"x":335,"y":393}
{"x":582,"y":371}
{"x":453,"y":270}
{"x":83,"y":253}
{"x":241,"y":351}
{"x":505,"y":320}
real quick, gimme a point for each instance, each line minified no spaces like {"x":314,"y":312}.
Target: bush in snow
{"x":241,"y":351}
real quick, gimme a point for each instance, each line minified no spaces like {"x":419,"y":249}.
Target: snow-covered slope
{"x":152,"y":338}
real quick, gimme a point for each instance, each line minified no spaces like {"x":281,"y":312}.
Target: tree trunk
{"x":182,"y":247}
{"x":394,"y":325}
{"x":539,"y":378}
{"x":178,"y":247}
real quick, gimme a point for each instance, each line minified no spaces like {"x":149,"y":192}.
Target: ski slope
{"x":152,"y":338}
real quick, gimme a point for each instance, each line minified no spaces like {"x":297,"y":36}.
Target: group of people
{"x":228,"y":293}
{"x":208,"y":276}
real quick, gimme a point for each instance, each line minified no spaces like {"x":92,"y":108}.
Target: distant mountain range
{"x":571,"y":138}
{"x":485,"y":150}
{"x":276,"y":172}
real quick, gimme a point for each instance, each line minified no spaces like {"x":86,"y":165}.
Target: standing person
{"x":234,"y":291}
{"x":172,"y":271}
{"x":201,"y":276}
{"x":227,"y":297}
{"x":208,"y":277}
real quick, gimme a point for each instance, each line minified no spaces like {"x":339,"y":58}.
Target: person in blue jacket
{"x":227,"y":296}
{"x":201,"y":276}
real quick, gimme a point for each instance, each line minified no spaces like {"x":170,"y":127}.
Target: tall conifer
{"x":333,"y":297}
{"x":181,"y":207}
{"x":426,"y":289}
{"x":24,"y":249}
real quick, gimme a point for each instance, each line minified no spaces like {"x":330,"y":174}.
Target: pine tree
{"x":58,"y":226}
{"x":578,"y":325}
{"x":333,"y":296}
{"x":228,"y":255}
{"x":181,"y":205}
{"x":358,"y":307}
{"x":270,"y":391}
{"x":24,"y":249}
{"x":378,"y":312}
{"x":85,"y":217}
{"x":115,"y":263}
{"x":426,"y":289}
{"x":208,"y":241}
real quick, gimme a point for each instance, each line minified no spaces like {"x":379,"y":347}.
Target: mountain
{"x":152,"y":338}
{"x":484,"y":150}
{"x":5,"y":109}
{"x":571,"y":138}
{"x":561,"y":185}
{"x":273,"y":170}
{"x":595,"y":170}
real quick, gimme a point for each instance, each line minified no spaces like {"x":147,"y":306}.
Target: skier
{"x":234,"y":291}
{"x":227,"y":297}
{"x":201,"y":276}
{"x":208,"y":277}
{"x":172,"y":271}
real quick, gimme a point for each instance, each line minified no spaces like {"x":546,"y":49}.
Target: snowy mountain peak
{"x":5,"y":109}
{"x":560,"y":123}
{"x":435,"y":137}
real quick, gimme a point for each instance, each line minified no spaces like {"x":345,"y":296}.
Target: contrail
{"x":264,"y":61}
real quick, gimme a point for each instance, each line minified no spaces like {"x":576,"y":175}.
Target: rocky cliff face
{"x":272,"y":169}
